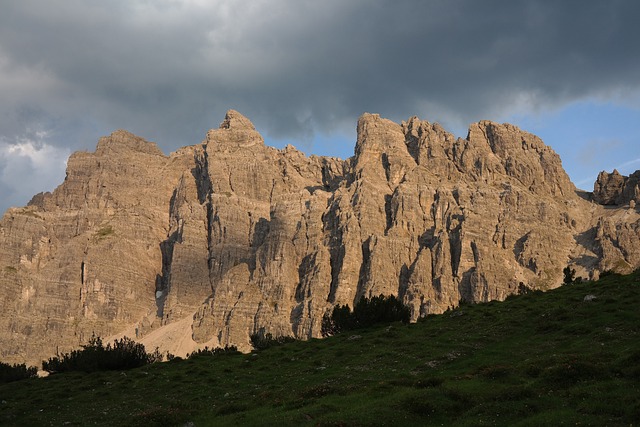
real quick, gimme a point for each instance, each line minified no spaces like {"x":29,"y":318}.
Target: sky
{"x":303,"y":71}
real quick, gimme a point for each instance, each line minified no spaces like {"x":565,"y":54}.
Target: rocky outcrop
{"x":615,"y":189}
{"x":230,"y":237}
{"x":616,"y":233}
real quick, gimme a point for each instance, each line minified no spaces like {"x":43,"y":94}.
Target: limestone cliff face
{"x":230,"y":237}
{"x":84,"y":258}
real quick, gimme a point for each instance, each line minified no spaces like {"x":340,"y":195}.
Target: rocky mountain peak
{"x":236,"y":121}
{"x":381,"y":149}
{"x":524,"y":157}
{"x":235,"y":130}
{"x":122,"y":140}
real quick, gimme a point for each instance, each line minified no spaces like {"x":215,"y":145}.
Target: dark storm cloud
{"x":297,"y":67}
{"x":168,"y":70}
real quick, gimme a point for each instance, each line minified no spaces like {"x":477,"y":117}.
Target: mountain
{"x":230,"y":237}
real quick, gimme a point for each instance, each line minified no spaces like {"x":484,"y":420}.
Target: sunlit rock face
{"x":615,"y":189}
{"x":230,"y":237}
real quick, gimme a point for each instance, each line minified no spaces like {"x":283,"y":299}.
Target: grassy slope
{"x":538,"y":359}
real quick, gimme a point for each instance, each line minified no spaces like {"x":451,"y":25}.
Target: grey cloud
{"x":324,"y":57}
{"x":167,"y":70}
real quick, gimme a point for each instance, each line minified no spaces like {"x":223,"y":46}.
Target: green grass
{"x":539,"y":359}
{"x":104,"y":232}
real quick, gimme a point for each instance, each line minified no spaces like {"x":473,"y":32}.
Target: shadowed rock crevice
{"x":163,"y":281}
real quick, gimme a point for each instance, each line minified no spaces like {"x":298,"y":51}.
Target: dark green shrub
{"x":262,"y":341}
{"x":156,"y":356}
{"x":123,"y":354}
{"x":9,"y":373}
{"x":214,"y":351}
{"x":523,"y":289}
{"x":368,"y":312}
{"x":381,"y":309}
{"x":340,"y":319}
{"x":569,"y":275}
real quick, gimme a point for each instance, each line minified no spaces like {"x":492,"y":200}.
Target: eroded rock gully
{"x":230,"y":237}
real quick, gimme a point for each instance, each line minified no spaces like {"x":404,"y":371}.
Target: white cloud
{"x":28,"y":166}
{"x":628,"y":167}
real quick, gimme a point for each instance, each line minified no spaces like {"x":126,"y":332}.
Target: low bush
{"x":368,"y":312}
{"x":123,"y":354}
{"x":523,"y":289}
{"x":9,"y":373}
{"x":262,"y":341}
{"x":214,"y":351}
{"x":570,"y":276}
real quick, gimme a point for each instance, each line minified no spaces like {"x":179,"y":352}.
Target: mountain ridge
{"x":243,"y":238}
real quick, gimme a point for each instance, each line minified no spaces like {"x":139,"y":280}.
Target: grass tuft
{"x":104,"y":232}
